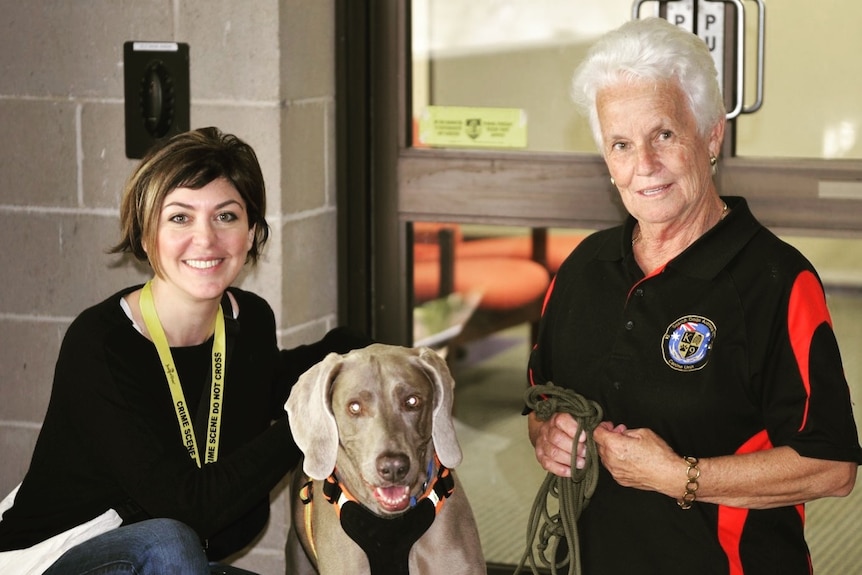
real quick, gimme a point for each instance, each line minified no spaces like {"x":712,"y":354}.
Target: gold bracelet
{"x":692,"y":474}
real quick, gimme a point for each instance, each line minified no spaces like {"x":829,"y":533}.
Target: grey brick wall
{"x":262,"y":69}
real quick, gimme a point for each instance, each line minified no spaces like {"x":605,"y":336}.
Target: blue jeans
{"x":153,"y":547}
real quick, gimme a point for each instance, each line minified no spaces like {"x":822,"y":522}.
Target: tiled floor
{"x":501,"y":476}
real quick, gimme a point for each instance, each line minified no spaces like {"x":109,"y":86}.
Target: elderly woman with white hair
{"x":705,"y":339}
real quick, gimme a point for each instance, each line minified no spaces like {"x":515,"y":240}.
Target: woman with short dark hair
{"x":166,"y":429}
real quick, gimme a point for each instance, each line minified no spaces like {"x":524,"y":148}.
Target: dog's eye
{"x":354,"y":408}
{"x":412,"y":402}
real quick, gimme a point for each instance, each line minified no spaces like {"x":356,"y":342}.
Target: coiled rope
{"x":546,"y":528}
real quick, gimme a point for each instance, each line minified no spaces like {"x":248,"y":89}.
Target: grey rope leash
{"x":573,"y":494}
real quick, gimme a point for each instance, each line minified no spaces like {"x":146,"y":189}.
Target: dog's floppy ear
{"x":442,"y":430}
{"x":311,"y":420}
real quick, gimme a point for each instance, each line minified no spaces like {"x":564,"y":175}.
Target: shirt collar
{"x":707,"y":256}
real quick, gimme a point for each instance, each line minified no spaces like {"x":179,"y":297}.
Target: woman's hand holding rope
{"x":556,"y":449}
{"x":569,"y":415}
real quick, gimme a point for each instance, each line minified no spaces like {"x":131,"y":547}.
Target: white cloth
{"x":36,"y":559}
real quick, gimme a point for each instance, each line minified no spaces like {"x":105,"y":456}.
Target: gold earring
{"x":613,"y":182}
{"x":712,"y":162}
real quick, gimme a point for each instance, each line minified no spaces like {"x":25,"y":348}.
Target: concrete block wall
{"x":262,"y":69}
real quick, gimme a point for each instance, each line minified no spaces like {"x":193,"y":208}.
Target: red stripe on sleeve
{"x":806,"y":312}
{"x":544,"y":306}
{"x":548,"y":294}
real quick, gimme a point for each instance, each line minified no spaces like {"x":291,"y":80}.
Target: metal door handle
{"x":740,"y":58}
{"x":761,"y":51}
{"x":739,"y":105}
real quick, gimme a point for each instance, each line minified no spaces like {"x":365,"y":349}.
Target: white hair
{"x":650,"y":49}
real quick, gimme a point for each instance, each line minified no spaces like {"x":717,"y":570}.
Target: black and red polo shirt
{"x":727,"y":349}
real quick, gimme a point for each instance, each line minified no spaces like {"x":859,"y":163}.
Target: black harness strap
{"x":387,"y":541}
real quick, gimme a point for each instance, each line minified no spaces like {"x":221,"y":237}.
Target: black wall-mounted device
{"x":156,"y":93}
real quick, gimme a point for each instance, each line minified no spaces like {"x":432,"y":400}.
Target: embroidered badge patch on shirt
{"x":687,"y":342}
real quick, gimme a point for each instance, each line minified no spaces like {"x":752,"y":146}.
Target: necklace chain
{"x":637,"y":235}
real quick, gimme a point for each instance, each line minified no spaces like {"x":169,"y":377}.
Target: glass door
{"x":812,"y":85}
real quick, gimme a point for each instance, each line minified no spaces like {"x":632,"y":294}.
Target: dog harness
{"x":386,"y":541}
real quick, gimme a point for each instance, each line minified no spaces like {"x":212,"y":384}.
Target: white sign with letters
{"x":710,"y":26}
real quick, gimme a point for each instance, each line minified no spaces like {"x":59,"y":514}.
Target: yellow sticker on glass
{"x":453,"y":126}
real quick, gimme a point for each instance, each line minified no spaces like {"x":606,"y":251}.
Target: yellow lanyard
{"x":157,"y":333}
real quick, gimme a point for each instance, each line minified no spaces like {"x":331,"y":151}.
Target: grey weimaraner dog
{"x":375,"y":426}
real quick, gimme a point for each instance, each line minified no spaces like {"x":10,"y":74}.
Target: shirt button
{"x":630,"y":325}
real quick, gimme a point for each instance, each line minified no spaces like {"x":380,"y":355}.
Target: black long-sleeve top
{"x":110,"y":438}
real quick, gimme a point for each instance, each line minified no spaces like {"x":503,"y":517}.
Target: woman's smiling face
{"x":659,"y":161}
{"x":203,"y":239}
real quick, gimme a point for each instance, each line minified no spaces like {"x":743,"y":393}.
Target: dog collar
{"x":439,"y":485}
{"x":387,"y":541}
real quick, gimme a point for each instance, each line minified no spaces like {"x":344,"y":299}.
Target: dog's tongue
{"x":395,"y":498}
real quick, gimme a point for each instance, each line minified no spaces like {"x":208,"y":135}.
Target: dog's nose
{"x":393,"y":467}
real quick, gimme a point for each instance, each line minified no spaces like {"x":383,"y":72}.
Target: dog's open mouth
{"x":394,"y":498}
